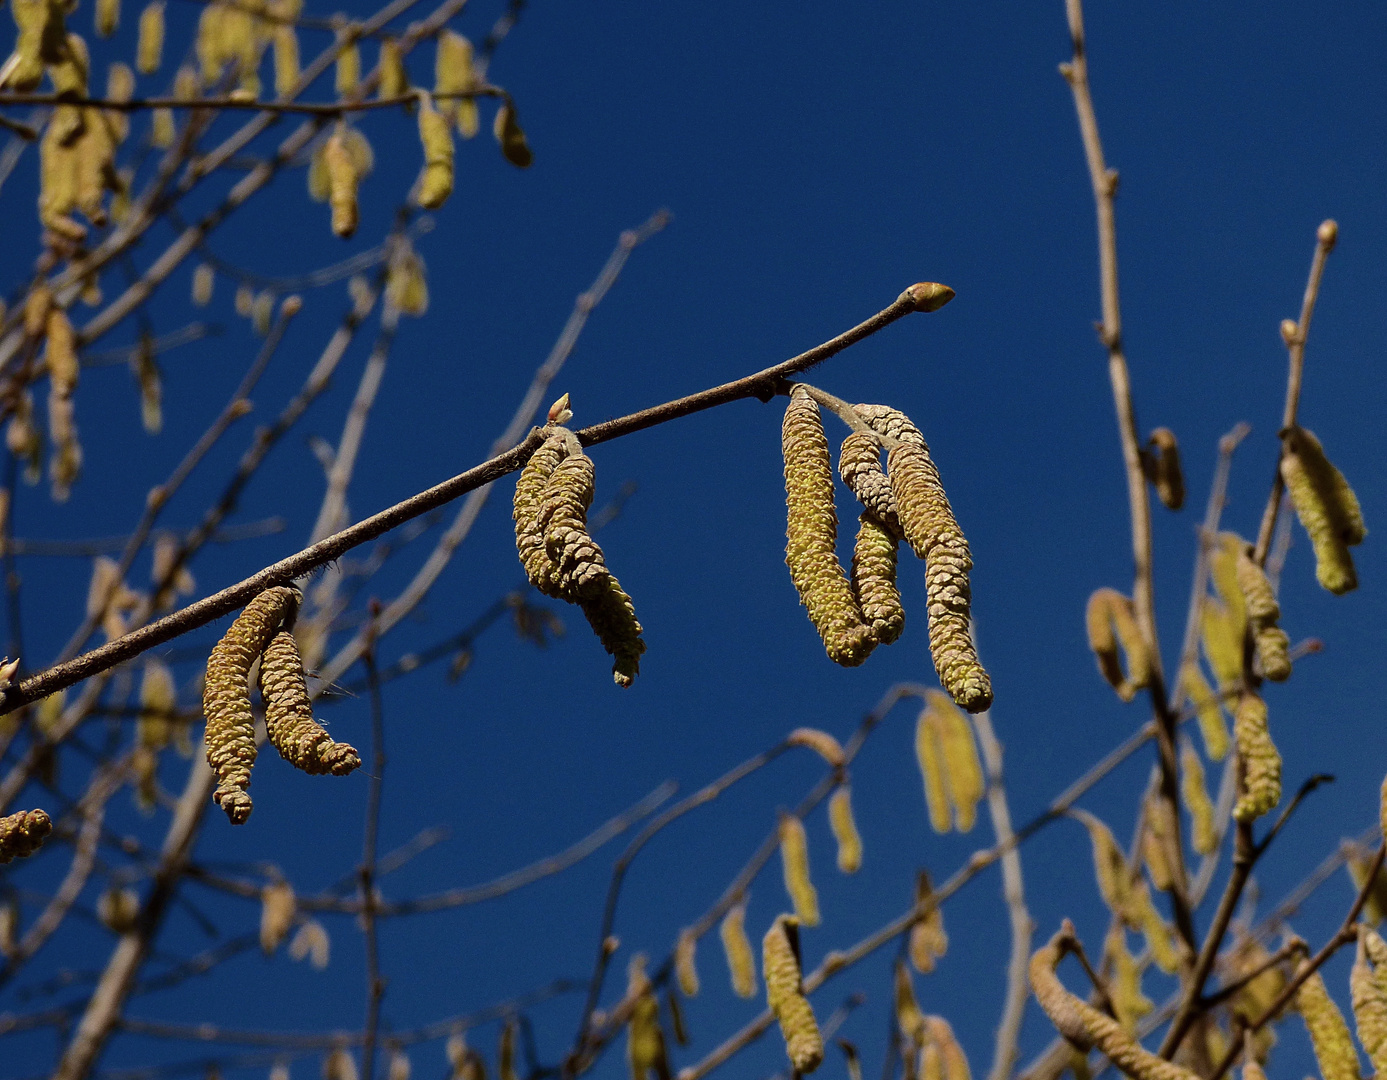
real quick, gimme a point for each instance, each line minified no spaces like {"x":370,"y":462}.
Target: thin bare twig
{"x":375,"y":983}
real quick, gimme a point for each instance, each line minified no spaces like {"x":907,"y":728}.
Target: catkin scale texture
{"x":1204,"y":830}
{"x":300,"y":739}
{"x":812,"y":533}
{"x":1326,"y":506}
{"x":859,"y":465}
{"x":874,"y":580}
{"x":1207,"y":709}
{"x":1273,"y":646}
{"x":23,"y":833}
{"x":929,"y":526}
{"x":785,"y":995}
{"x":1261,"y":762}
{"x":1369,"y":1006}
{"x":1334,"y":1049}
{"x":890,"y":422}
{"x":230,"y":734}
{"x":529,"y":491}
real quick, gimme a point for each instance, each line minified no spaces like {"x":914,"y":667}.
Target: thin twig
{"x":231,"y":102}
{"x":375,"y":984}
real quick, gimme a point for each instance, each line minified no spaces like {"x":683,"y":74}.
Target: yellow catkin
{"x":339,"y":1065}
{"x":949,"y":764}
{"x":453,"y":77}
{"x":149,"y":49}
{"x":436,"y":135}
{"x":1111,"y":620}
{"x":1273,"y":647}
{"x":890,"y":422}
{"x":874,"y":580}
{"x":645,"y":1039}
{"x":736,"y":947}
{"x":1207,"y":709}
{"x":821,"y":742}
{"x":300,"y":739}
{"x":61,"y":352}
{"x":941,"y":1036}
{"x":1221,"y":631}
{"x":529,"y":492}
{"x":1162,"y":466}
{"x":929,"y":755}
{"x":909,"y":1019}
{"x":1203,"y":828}
{"x":204,"y":281}
{"x":161,"y":128}
{"x":1125,"y":981}
{"x":120,"y":86}
{"x":65,"y":464}
{"x":1326,"y":506}
{"x":23,"y":833}
{"x":285,"y":41}
{"x":1157,"y":840}
{"x":794,"y":860}
{"x":107,"y":14}
{"x":1160,"y":936}
{"x":1369,"y":1005}
{"x":394,"y":79}
{"x":930,"y":528}
{"x":38,"y":22}
{"x":230,"y":734}
{"x":277,"y":909}
{"x":927,"y":941}
{"x":685,"y":963}
{"x":515,"y":148}
{"x":1329,"y":1034}
{"x":1086,"y":1027}
{"x":859,"y":465}
{"x":1115,"y":883}
{"x":780,"y":963}
{"x":812,"y":532}
{"x":158,"y":699}
{"x":1359,"y":865}
{"x":311,"y":941}
{"x":840,"y":819}
{"x":348,"y":73}
{"x":1261,"y":762}
{"x":407,"y":283}
{"x":343,"y":178}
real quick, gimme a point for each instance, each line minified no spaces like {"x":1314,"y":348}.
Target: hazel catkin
{"x":343,"y":178}
{"x":1329,"y":1034}
{"x":1204,"y":829}
{"x":685,"y":964}
{"x":780,"y":962}
{"x":840,"y":818}
{"x":1369,"y":999}
{"x":1207,"y":709}
{"x":1261,"y":761}
{"x":230,"y":734}
{"x":949,"y":765}
{"x":277,"y":910}
{"x":1111,"y":619}
{"x":435,"y":133}
{"x":736,"y":948}
{"x":859,"y":465}
{"x":149,"y":49}
{"x":874,"y":580}
{"x":794,"y":860}
{"x":23,"y":833}
{"x":812,"y":533}
{"x":1326,"y":506}
{"x":300,"y":739}
{"x":927,"y":941}
{"x":1161,"y":463}
{"x":1273,"y":647}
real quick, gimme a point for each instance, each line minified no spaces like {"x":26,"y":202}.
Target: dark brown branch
{"x":306,"y":108}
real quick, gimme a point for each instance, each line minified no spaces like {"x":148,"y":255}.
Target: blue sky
{"x":816,"y":159}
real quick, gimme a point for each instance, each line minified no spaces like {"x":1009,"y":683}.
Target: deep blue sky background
{"x":817,"y":159}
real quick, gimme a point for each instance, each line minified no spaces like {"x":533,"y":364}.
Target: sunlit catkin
{"x":277,"y":909}
{"x":909,"y":1017}
{"x":1329,"y":1034}
{"x":941,"y":1036}
{"x":23,"y":833}
{"x":1207,"y":709}
{"x":311,"y":941}
{"x":1203,"y":828}
{"x":300,"y":739}
{"x":645,"y":1039}
{"x":1157,"y":841}
{"x":1327,"y":508}
{"x":927,"y":941}
{"x":204,"y":281}
{"x":1161,"y":463}
{"x":812,"y":532}
{"x":890,"y":422}
{"x":149,"y":49}
{"x":859,"y":465}
{"x":1369,"y":1006}
{"x":343,"y":178}
{"x":348,"y":73}
{"x":1086,"y":1027}
{"x":1125,"y":982}
{"x":394,"y":79}
{"x":1273,"y":647}
{"x":285,"y":42}
{"x":930,"y":757}
{"x":515,"y":148}
{"x":794,"y":861}
{"x":529,"y":492}
{"x":821,"y":742}
{"x":230,"y":734}
{"x":1365,"y":877}
{"x":874,"y":579}
{"x":736,"y":947}
{"x":453,"y":78}
{"x":685,"y":963}
{"x":930,"y":528}
{"x":1111,"y":620}
{"x":780,"y":962}
{"x":949,"y":765}
{"x":107,"y":13}
{"x":436,"y":135}
{"x":1110,"y":868}
{"x":1261,"y":762}
{"x":840,"y":819}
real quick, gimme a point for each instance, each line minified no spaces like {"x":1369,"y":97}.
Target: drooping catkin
{"x":685,"y":962}
{"x":1157,"y":840}
{"x":909,"y":1017}
{"x":407,"y":283}
{"x":941,"y":1036}
{"x":436,"y":135}
{"x":1086,"y":1027}
{"x":394,"y":79}
{"x":1207,"y":709}
{"x":149,"y":49}
{"x":311,"y":941}
{"x":930,"y":528}
{"x":1359,"y":865}
{"x":1161,"y":463}
{"x":780,"y":962}
{"x":890,"y":422}
{"x":949,"y":765}
{"x":645,"y":1039}
{"x":736,"y":947}
{"x":348,"y":72}
{"x":515,"y":148}
{"x":794,"y":861}
{"x":529,"y":492}
{"x":840,"y":818}
{"x":1111,"y":620}
{"x":812,"y":533}
{"x":1221,"y":631}
{"x":1273,"y":646}
{"x":23,"y":833}
{"x":1115,"y":882}
{"x":821,"y":742}
{"x":453,"y":78}
{"x":107,"y":15}
{"x":1125,"y":981}
{"x":158,"y":699}
{"x":300,"y":739}
{"x":230,"y":734}
{"x":859,"y":465}
{"x":1369,"y":1005}
{"x":1203,"y":827}
{"x":927,"y":941}
{"x":343,"y":178}
{"x":929,"y":755}
{"x":1329,"y":1034}
{"x":277,"y":909}
{"x":1261,"y":762}
{"x":1327,"y":507}
{"x":285,"y":41}
{"x":874,"y":580}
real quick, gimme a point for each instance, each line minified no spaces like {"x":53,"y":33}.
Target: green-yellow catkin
{"x":394,"y":80}
{"x":1160,"y":936}
{"x":859,"y":465}
{"x":300,"y":739}
{"x":1207,"y":710}
{"x":204,"y":280}
{"x":1162,"y":466}
{"x":1157,"y":840}
{"x":1369,"y":1005}
{"x":262,"y":312}
{"x":874,"y":579}
{"x":118,"y":909}
{"x":1203,"y":828}
{"x":343,"y":178}
{"x":120,"y":86}
{"x":1115,"y":883}
{"x":929,"y":755}
{"x":23,"y":833}
{"x":161,"y":128}
{"x":812,"y":534}
{"x":149,"y":49}
{"x":949,"y":765}
{"x":941,"y":1036}
{"x":645,"y":1038}
{"x":930,"y":528}
{"x":277,"y":909}
{"x":436,"y":135}
{"x":821,"y":742}
{"x":311,"y":941}
{"x":348,"y":73}
{"x":1086,"y":1027}
{"x":38,"y":22}
{"x":1221,"y":631}
{"x":453,"y":76}
{"x":107,"y":16}
{"x":60,"y":353}
{"x":158,"y":699}
{"x":685,"y":963}
{"x":407,"y":283}
{"x":736,"y":947}
{"x":840,"y":819}
{"x":780,"y":963}
{"x":1124,"y":983}
{"x":514,"y":146}
{"x":927,"y":941}
{"x":1223,"y":576}
{"x":1327,"y":508}
{"x":1273,"y":646}
{"x":1359,"y":865}
{"x":1329,"y":1034}
{"x":285,"y":42}
{"x":794,"y":861}
{"x":909,"y":1018}
{"x":230,"y":734}
{"x":1111,"y":620}
{"x":1261,"y":762}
